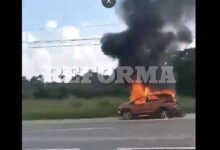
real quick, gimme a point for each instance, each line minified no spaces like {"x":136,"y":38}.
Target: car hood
{"x":124,"y":105}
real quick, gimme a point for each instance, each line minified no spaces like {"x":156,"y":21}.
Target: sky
{"x":62,"y":20}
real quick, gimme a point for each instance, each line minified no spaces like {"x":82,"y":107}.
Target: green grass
{"x":83,"y":108}
{"x":70,"y":108}
{"x":187,"y":104}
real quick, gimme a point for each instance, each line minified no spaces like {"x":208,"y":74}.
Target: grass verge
{"x":84,"y":108}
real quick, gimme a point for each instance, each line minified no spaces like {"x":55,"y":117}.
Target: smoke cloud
{"x":144,"y":43}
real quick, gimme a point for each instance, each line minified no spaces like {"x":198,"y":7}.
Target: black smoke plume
{"x":144,"y":42}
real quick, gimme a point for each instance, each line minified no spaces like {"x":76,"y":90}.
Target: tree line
{"x":36,"y":88}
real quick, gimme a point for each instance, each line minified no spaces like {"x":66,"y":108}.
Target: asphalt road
{"x":109,"y":134}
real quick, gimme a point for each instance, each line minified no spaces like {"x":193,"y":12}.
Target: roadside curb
{"x":190,"y":116}
{"x":95,"y":120}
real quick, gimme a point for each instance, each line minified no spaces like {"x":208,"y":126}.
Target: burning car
{"x":160,"y":104}
{"x":153,"y":32}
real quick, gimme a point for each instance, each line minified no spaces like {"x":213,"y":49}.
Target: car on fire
{"x":163,"y":106}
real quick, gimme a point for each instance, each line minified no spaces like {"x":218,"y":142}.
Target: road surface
{"x":109,"y":134}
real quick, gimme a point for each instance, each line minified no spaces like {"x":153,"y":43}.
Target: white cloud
{"x":70,"y":32}
{"x":51,"y":24}
{"x":37,"y":61}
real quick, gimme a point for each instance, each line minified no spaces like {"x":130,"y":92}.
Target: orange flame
{"x":140,"y":93}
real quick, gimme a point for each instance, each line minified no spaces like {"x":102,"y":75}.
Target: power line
{"x":101,"y":25}
{"x":60,"y":41}
{"x":72,"y":45}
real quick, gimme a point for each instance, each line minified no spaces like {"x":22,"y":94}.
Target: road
{"x":109,"y":134}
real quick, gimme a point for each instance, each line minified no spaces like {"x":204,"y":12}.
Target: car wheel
{"x":126,"y":115}
{"x":164,"y":114}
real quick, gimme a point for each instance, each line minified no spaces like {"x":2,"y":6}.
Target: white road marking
{"x":158,"y":148}
{"x":81,"y":129}
{"x":72,"y":129}
{"x":54,"y":149}
{"x":95,"y":139}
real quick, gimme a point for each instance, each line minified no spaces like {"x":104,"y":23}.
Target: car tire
{"x":126,"y":115}
{"x":164,"y":114}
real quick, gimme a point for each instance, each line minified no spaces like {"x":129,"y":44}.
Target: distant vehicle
{"x":163,"y":106}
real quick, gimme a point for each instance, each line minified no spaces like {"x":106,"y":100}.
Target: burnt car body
{"x":161,"y":107}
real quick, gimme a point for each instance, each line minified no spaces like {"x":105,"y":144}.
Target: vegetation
{"x":185,"y":69}
{"x":73,"y":107}
{"x":72,"y":100}
{"x":84,"y":108}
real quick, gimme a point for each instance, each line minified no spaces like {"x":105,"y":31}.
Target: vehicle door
{"x":150,"y":106}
